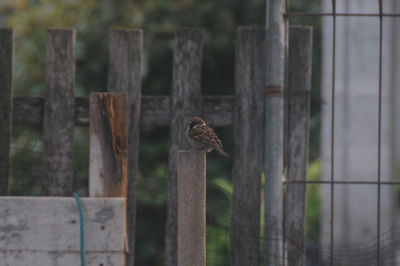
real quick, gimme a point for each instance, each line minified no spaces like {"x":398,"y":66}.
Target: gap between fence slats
{"x":6,"y":55}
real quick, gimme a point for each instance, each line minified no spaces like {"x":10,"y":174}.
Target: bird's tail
{"x":221,"y":152}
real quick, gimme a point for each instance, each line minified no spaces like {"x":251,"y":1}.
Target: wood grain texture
{"x":58,"y":117}
{"x":6,"y":65}
{"x":191,"y":177}
{"x":299,"y":87}
{"x":248,"y":125}
{"x":155,"y":110}
{"x":185,"y":103}
{"x":124,"y":74}
{"x":44,"y":231}
{"x":108,"y":144}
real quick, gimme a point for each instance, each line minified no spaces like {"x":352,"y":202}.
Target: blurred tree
{"x":93,"y":20}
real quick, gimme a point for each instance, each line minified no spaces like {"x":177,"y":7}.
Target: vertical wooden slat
{"x":299,"y":86}
{"x":6,"y":51}
{"x":185,"y":103}
{"x":58,"y":121}
{"x":108,"y":144}
{"x":248,"y":125}
{"x":191,"y":178}
{"x":124,"y":74}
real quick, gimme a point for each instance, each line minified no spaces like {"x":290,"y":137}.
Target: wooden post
{"x":124,"y":74}
{"x":108,"y":144}
{"x":6,"y":51}
{"x":248,"y":125}
{"x":274,"y":133}
{"x":185,"y":103}
{"x":299,"y":86}
{"x":191,"y":171}
{"x":58,"y":121}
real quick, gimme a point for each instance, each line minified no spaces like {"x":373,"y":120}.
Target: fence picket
{"x":185,"y":103}
{"x":248,"y":126}
{"x":124,"y":74}
{"x":58,"y":119}
{"x":299,"y":86}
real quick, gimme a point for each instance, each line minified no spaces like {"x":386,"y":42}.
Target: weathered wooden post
{"x":299,"y":86}
{"x":108,"y":144}
{"x":117,"y":115}
{"x":59,"y":109}
{"x":185,"y":103}
{"x":6,"y":50}
{"x":191,"y":177}
{"x":248,"y":125}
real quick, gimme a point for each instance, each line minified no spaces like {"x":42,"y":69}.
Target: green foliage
{"x":92,"y":20}
{"x":313,"y":202}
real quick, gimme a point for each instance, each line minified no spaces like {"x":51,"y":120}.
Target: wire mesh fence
{"x":26,"y":174}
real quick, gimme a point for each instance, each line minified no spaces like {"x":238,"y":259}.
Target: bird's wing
{"x":214,"y":138}
{"x":199,"y":134}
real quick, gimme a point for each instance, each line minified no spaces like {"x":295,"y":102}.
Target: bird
{"x":203,"y":137}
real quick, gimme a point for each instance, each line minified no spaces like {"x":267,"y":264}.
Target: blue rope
{"x":82,"y":222}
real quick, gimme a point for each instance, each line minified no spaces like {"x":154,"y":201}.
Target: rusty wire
{"x":332,"y":180}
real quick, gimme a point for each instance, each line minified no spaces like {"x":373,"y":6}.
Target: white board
{"x":45,"y":231}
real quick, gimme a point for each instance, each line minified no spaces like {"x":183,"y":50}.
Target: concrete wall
{"x":356,"y":122}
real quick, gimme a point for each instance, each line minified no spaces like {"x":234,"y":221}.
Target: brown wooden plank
{"x":217,"y":110}
{"x":248,"y":126}
{"x":185,"y":103}
{"x":124,"y":74}
{"x":108,"y":144}
{"x":6,"y":54}
{"x":299,"y":86}
{"x":155,"y":110}
{"x":58,"y":117}
{"x":191,"y":177}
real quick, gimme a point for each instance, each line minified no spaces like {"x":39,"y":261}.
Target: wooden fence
{"x":116,"y":117}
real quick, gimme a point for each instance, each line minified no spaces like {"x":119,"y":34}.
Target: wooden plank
{"x":45,"y":231}
{"x":249,"y":129}
{"x":44,"y":258}
{"x":58,"y":117}
{"x":299,"y":87}
{"x":108,"y":144}
{"x":155,"y":110}
{"x":124,"y":74}
{"x":217,"y":110}
{"x":185,"y":103}
{"x":6,"y":54}
{"x":191,"y":177}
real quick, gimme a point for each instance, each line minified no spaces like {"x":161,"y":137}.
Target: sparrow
{"x":203,"y":137}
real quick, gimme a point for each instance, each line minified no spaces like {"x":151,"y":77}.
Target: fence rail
{"x":155,"y":110}
{"x":59,"y":111}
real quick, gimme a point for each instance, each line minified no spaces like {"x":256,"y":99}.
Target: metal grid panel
{"x":332,"y":180}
